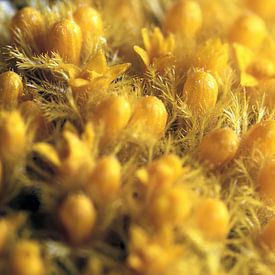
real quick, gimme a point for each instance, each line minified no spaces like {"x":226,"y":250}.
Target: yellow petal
{"x":247,"y":80}
{"x":146,"y":39}
{"x":47,"y":152}
{"x":143,"y":176}
{"x":170,"y":43}
{"x":89,"y":135}
{"x":143,"y":55}
{"x":119,"y":69}
{"x":158,"y":41}
{"x":244,"y":56}
{"x":98,"y":63}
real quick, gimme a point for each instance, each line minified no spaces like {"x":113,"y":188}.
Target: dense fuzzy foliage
{"x":137,"y":137}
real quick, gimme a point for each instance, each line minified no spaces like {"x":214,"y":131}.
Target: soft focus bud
{"x":31,"y":25}
{"x":26,"y":259}
{"x":105,"y":180}
{"x":149,"y":118}
{"x":218,"y":147}
{"x":65,"y":38}
{"x":184,"y":18}
{"x":11,"y":88}
{"x":200,"y":91}
{"x":113,"y":115}
{"x":90,"y":22}
{"x":212,"y":219}
{"x":13,"y":139}
{"x":77,"y":215}
{"x":248,"y":30}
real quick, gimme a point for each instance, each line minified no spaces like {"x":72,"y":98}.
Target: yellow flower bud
{"x":113,"y":115}
{"x":26,"y":259}
{"x":90,"y":22}
{"x":77,"y":215}
{"x":218,"y":147}
{"x":170,"y":207}
{"x":149,"y":118}
{"x":161,"y":173}
{"x":65,"y":38}
{"x":264,"y":8}
{"x":151,"y":253}
{"x":184,"y":18}
{"x":31,"y":25}
{"x":261,"y":138}
{"x":200,"y":91}
{"x":4,"y":232}
{"x":76,"y":160}
{"x":11,"y":88}
{"x":266,"y":181}
{"x":212,"y":218}
{"x":212,"y":56}
{"x":105,"y":180}
{"x":267,"y":235}
{"x":248,"y":30}
{"x":13,"y":139}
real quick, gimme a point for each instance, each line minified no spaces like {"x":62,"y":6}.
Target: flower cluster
{"x":137,"y":137}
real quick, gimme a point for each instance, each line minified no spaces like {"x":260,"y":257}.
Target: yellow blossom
{"x":76,"y":160}
{"x":96,"y":75}
{"x":213,"y":56}
{"x":151,"y":255}
{"x":252,"y":68}
{"x":157,"y":50}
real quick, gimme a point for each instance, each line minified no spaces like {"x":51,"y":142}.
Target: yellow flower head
{"x":157,"y":47}
{"x":212,"y":56}
{"x":151,"y":255}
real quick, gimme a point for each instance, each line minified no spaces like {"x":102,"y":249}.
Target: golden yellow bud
{"x":161,"y":173}
{"x":260,"y":138}
{"x":76,"y":160}
{"x":11,"y":88}
{"x":266,"y":181}
{"x":200,"y":91}
{"x":105,"y":179}
{"x":31,"y":25}
{"x":13,"y":139}
{"x":90,"y":22}
{"x":170,"y":207}
{"x":4,"y":232}
{"x":65,"y":38}
{"x":212,"y":218}
{"x":113,"y":115}
{"x":149,"y":118}
{"x":264,"y":8}
{"x":77,"y":215}
{"x":184,"y":18}
{"x":267,"y":235}
{"x":218,"y":147}
{"x":248,"y":30}
{"x":26,"y":259}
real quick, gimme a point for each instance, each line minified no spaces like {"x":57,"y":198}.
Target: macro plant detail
{"x":137,"y":137}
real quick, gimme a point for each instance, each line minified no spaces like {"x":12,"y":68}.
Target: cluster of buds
{"x":169,"y":202}
{"x":69,"y":36}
